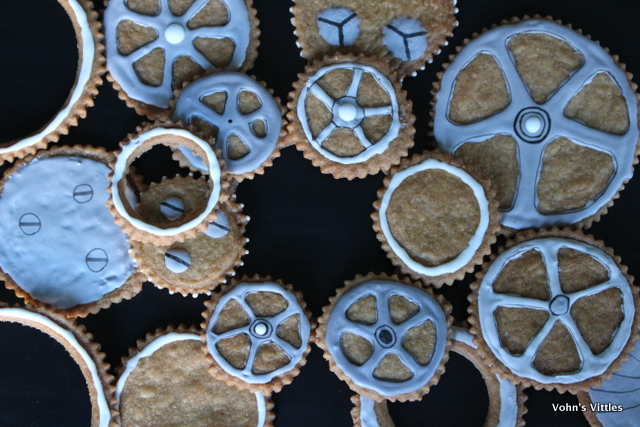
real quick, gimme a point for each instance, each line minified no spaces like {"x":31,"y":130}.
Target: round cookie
{"x":191,"y":397}
{"x":386,"y":338}
{"x":201,"y":263}
{"x":435,"y":218}
{"x":350,"y":117}
{"x":554,"y":310}
{"x":123,"y":200}
{"x":406,"y":34}
{"x":88,"y":78}
{"x":546,"y":113}
{"x":257,"y":334}
{"x":66,"y":251}
{"x":506,"y":401}
{"x":240,"y":114}
{"x":80,"y":348}
{"x":154,"y":46}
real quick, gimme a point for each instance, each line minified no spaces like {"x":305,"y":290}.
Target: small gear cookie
{"x":350,"y":117}
{"x":554,"y":310}
{"x":547,"y":114}
{"x":406,"y":34}
{"x":386,"y":338}
{"x":435,"y":218}
{"x":154,"y":46}
{"x":257,"y":334}
{"x":164,"y":381}
{"x":66,"y":251}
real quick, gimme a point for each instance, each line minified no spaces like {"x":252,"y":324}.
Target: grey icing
{"x":347,"y":113}
{"x":559,"y":308}
{"x":623,"y":388}
{"x":231,"y":121}
{"x":339,"y":26}
{"x":176,"y":39}
{"x":429,"y":310}
{"x":239,"y":294}
{"x":368,"y":416}
{"x":218,"y":228}
{"x":177,"y":260}
{"x":62,"y":252}
{"x":530,"y":151}
{"x":172,"y":207}
{"x":405,"y":38}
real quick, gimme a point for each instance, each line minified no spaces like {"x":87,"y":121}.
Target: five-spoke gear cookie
{"x":546,"y":113}
{"x":154,"y":46}
{"x":554,"y":310}
{"x":257,"y":334}
{"x":386,"y":338}
{"x":350,"y":117}
{"x":435,"y":218}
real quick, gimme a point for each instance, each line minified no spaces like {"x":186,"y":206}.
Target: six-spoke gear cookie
{"x":554,"y":310}
{"x":66,"y":252}
{"x":198,"y":152}
{"x":88,"y":78}
{"x":386,"y":338}
{"x":80,"y":346}
{"x":436,"y":219}
{"x":407,"y":34}
{"x":201,"y":263}
{"x":549,"y":115}
{"x":164,"y":381}
{"x":241,"y":114}
{"x":350,"y":117}
{"x":506,"y":401}
{"x":257,"y":334}
{"x":154,"y":46}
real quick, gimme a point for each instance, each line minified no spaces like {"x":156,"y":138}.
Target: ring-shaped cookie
{"x":85,"y":353}
{"x":536,"y":123}
{"x":171,"y":336}
{"x":553,"y":248}
{"x":176,"y":39}
{"x":261,"y":330}
{"x":200,"y":152}
{"x":232,"y":122}
{"x":90,"y":68}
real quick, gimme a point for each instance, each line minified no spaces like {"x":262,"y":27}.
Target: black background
{"x":306,"y":228}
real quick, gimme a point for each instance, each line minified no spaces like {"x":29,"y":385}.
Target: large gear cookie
{"x":549,"y":115}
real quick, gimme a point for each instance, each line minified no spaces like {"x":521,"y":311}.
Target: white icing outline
{"x":474,"y":243}
{"x":623,"y":388}
{"x":190,"y":105}
{"x":239,"y":293}
{"x":488,"y":301}
{"x":311,"y":86}
{"x":362,"y":376}
{"x":122,"y":165}
{"x":508,"y":393}
{"x":620,"y":147}
{"x":60,"y":333}
{"x":155,"y":345}
{"x":238,"y":29}
{"x":87,"y":54}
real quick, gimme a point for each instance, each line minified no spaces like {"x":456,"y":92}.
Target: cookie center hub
{"x":532,"y":124}
{"x":347,"y":113}
{"x":385,"y":336}
{"x":260,"y":329}
{"x":174,"y":33}
{"x":559,"y":305}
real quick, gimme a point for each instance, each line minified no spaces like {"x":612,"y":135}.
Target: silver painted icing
{"x":548,"y":120}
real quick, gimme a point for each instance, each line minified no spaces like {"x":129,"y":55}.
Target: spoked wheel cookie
{"x":386,"y":339}
{"x":547,"y":114}
{"x":556,"y":309}
{"x":257,"y":334}
{"x":349,"y":116}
